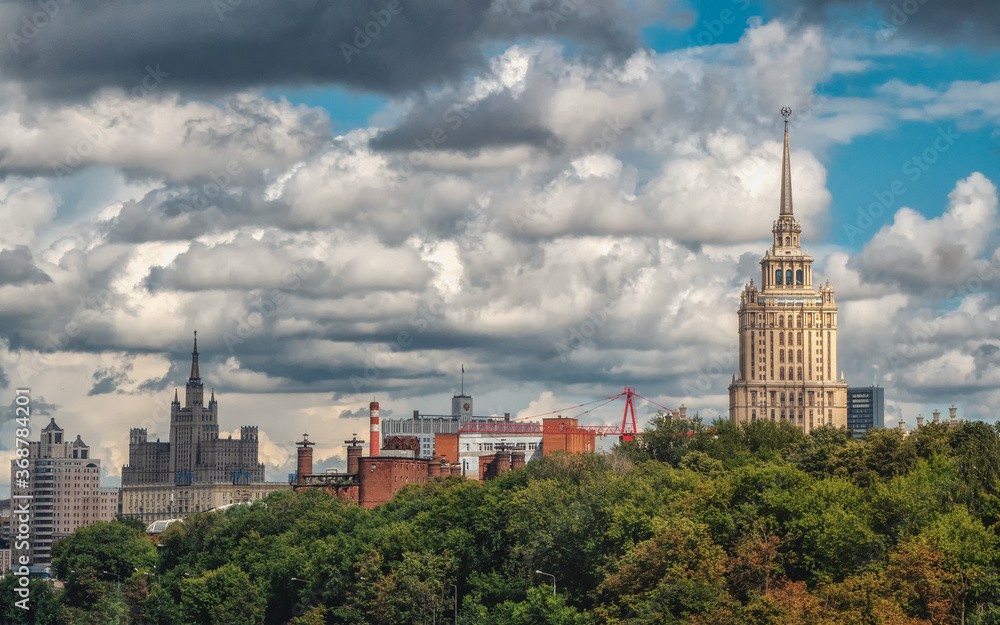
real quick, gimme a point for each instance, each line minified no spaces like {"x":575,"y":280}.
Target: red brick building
{"x":372,"y":480}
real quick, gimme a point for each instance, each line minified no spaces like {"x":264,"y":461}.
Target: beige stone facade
{"x":196,"y":470}
{"x":788,"y":335}
{"x":152,"y":502}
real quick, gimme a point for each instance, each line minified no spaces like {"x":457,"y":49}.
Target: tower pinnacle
{"x":194,"y":359}
{"x":786,"y":170}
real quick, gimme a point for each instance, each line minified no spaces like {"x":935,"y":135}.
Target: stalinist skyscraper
{"x":788,"y":333}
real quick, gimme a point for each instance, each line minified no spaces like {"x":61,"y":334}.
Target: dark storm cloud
{"x":84,"y":46}
{"x":17,"y":267}
{"x":451,"y":125}
{"x":111,"y":379}
{"x":970,"y":22}
{"x":184,"y":213}
{"x":363,"y":413}
{"x":179,"y":370}
{"x":985,"y":357}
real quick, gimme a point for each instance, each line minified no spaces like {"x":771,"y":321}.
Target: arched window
{"x":781,"y":356}
{"x":788,"y":277}
{"x":800,"y":373}
{"x":781,"y":338}
{"x":798,"y":276}
{"x":781,"y":322}
{"x":777,"y":277}
{"x":782,"y":415}
{"x":800,"y":399}
{"x":798,"y":358}
{"x":800,"y":338}
{"x":781,"y":375}
{"x":782,"y":399}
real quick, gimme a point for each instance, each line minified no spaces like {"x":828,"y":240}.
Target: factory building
{"x":478,"y":451}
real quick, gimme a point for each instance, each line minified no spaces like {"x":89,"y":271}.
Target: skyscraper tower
{"x":788,"y":333}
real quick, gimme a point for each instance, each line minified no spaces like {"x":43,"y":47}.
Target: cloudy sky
{"x":352,"y":200}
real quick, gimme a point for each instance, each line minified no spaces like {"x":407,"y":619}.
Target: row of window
{"x":788,"y":277}
{"x":775,"y":397}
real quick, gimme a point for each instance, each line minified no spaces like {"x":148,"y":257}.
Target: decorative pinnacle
{"x":194,"y":359}
{"x":786,"y":170}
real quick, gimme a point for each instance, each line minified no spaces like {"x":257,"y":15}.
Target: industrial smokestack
{"x":374,"y":436}
{"x":305,"y":459}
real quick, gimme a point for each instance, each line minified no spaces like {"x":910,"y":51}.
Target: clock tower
{"x":788,"y":333}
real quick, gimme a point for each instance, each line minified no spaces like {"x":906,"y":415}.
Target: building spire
{"x":786,"y":171}
{"x":194,"y":358}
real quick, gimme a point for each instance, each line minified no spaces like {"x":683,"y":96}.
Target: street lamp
{"x":553,"y":579}
{"x":117,"y":579}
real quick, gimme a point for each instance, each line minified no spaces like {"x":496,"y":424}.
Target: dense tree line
{"x":754,"y":524}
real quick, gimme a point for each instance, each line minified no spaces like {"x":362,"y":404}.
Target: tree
{"x":115,"y":548}
{"x":540,"y":607}
{"x":43,"y":608}
{"x":224,"y":596}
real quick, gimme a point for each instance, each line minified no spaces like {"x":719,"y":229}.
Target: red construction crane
{"x":623,"y":431}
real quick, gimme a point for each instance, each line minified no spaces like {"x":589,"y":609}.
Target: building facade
{"x":375,"y":479}
{"x":196,"y":470}
{"x":151,"y":502}
{"x":788,"y":334}
{"x":865,"y":409}
{"x":426,"y":427}
{"x":64,"y":485}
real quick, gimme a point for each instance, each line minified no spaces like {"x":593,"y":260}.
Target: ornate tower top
{"x":786,"y":171}
{"x":194,"y":356}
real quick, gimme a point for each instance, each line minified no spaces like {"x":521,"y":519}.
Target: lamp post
{"x":118,"y":579}
{"x":553,"y":579}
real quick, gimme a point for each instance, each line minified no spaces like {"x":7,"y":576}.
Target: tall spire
{"x":786,"y":170}
{"x":194,"y":358}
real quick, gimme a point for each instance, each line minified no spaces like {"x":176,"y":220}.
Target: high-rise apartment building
{"x":64,"y":485}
